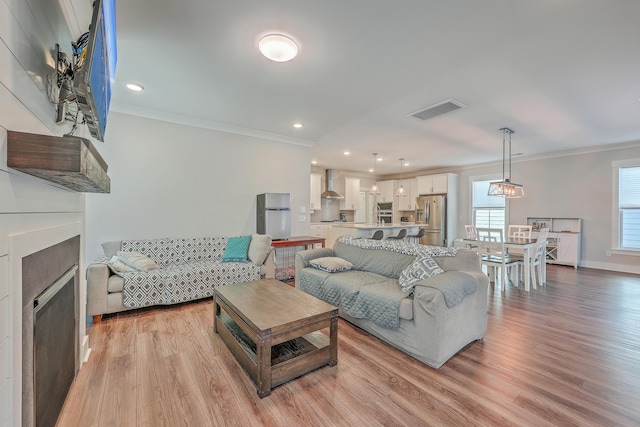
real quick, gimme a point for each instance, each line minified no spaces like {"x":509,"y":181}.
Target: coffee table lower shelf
{"x":288,"y":359}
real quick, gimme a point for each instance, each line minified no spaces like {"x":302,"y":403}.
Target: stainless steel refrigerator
{"x":274,"y":215}
{"x":432,"y":212}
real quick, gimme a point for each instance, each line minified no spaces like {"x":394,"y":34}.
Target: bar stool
{"x":378,"y":235}
{"x":415,"y":238}
{"x":400,"y":236}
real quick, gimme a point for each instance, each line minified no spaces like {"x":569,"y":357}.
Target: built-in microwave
{"x":386,"y":217}
{"x":385,"y":212}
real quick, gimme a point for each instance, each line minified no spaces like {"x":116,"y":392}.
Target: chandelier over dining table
{"x":506,"y":188}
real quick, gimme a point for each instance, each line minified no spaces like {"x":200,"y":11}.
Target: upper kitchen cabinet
{"x":351,"y":195}
{"x":316,"y":191}
{"x":436,"y":184}
{"x":408,"y":203}
{"x":387,"y":192}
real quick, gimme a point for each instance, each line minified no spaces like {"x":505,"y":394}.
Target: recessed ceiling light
{"x":379,"y":159}
{"x":278,"y":48}
{"x":314,"y":162}
{"x":371,"y":170}
{"x":135,"y":87}
{"x":297,"y":125}
{"x":406,"y":164}
{"x":346,"y":153}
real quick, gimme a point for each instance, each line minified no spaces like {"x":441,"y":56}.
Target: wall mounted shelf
{"x":70,"y":161}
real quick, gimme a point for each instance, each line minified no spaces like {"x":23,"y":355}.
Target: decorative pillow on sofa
{"x":259,"y":248}
{"x":137,"y":260}
{"x":424,"y":266}
{"x":118,"y":266}
{"x":331,"y":264}
{"x":237,"y":249}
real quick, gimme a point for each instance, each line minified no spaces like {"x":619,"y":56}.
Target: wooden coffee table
{"x":273,"y":329}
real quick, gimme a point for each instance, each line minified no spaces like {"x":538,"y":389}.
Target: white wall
{"x":28,"y":34}
{"x":172,"y":180}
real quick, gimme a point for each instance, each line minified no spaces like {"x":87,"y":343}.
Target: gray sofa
{"x":188,"y":270}
{"x":425,"y":326}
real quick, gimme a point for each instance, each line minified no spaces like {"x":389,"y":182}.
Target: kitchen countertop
{"x":364,"y":226}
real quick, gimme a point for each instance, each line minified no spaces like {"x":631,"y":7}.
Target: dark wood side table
{"x":285,"y":257}
{"x":306,"y":241}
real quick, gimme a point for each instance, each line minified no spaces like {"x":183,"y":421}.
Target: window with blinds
{"x":487,"y":211}
{"x":629,"y":207}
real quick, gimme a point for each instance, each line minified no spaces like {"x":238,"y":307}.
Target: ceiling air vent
{"x":438,"y":109}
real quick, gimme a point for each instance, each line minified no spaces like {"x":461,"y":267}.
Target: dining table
{"x":525,"y":244}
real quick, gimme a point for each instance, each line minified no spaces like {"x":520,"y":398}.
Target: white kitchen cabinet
{"x":434,"y":184}
{"x":387,"y":191}
{"x":408,"y":203}
{"x":351,"y":195}
{"x":316,"y":191}
{"x":319,"y":230}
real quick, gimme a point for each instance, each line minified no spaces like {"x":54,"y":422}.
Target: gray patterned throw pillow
{"x":423,"y":267}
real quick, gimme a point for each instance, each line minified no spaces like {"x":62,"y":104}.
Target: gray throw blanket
{"x":454,"y":286}
{"x":359,"y":294}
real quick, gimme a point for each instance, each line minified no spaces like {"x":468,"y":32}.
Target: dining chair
{"x":400,"y":236}
{"x":493,"y":255}
{"x":538,"y":257}
{"x":489,"y":234}
{"x":495,"y":258}
{"x":415,"y":238}
{"x":470,"y":231}
{"x":378,"y":235}
{"x":523,"y":231}
{"x":518,"y":232}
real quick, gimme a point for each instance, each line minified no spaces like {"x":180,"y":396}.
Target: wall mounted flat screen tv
{"x":93,"y":80}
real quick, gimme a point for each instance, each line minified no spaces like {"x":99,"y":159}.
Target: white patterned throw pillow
{"x":423,"y":267}
{"x":137,"y":260}
{"x":331,"y":264}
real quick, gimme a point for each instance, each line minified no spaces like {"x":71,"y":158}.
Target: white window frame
{"x":491,"y":177}
{"x":615,"y":217}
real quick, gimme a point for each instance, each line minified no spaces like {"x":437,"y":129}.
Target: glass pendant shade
{"x":375,"y":190}
{"x":506,"y":188}
{"x":401,"y":191}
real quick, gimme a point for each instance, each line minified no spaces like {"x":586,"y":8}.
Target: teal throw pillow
{"x":237,"y":249}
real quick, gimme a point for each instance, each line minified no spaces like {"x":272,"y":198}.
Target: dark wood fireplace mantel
{"x":70,"y":161}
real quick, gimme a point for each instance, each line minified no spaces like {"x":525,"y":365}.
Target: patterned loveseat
{"x":427,"y":301}
{"x":188,"y":270}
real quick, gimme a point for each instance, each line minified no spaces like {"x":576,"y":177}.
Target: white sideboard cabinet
{"x":564,"y":241}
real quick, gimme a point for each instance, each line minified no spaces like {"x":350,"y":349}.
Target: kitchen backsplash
{"x":330,"y":212}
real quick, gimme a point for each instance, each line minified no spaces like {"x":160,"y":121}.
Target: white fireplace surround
{"x":21,"y":245}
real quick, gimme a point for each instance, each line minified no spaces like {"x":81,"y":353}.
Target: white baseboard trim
{"x":85,"y":349}
{"x":611,"y":267}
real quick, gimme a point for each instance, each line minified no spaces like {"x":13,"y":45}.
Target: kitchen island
{"x":366,"y":230}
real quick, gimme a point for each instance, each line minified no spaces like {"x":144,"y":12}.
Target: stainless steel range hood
{"x":330,"y":193}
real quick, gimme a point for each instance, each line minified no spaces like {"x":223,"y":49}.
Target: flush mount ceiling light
{"x":401,"y":191}
{"x":297,"y":125}
{"x":506,"y":188}
{"x":278,"y":48}
{"x":135,"y":87}
{"x":375,"y":190}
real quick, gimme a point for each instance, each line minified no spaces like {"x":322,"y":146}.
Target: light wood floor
{"x":568,"y":354}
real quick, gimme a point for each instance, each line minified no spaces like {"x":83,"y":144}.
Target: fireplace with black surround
{"x":50,"y":328}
